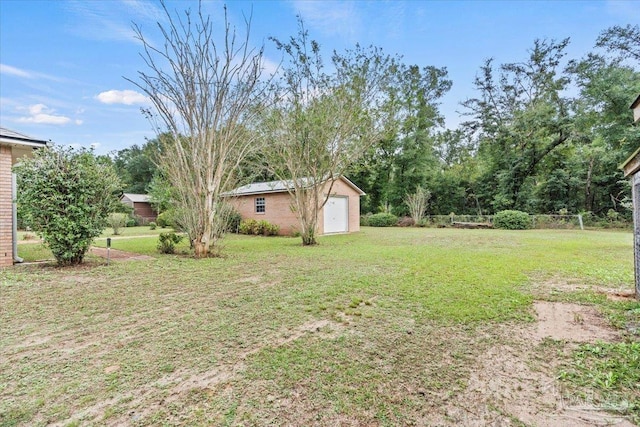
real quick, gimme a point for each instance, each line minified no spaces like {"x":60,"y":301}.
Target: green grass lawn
{"x":145,"y":242}
{"x":374,"y":328}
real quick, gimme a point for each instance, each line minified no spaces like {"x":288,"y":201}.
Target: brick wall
{"x":145,"y":211}
{"x":278,"y":209}
{"x":341,"y":188}
{"x":6,"y":213}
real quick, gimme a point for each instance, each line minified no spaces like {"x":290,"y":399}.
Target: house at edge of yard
{"x":141,"y":206}
{"x":13,"y":146}
{"x":271,"y":201}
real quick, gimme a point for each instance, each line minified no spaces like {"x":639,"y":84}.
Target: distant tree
{"x":520,"y":118}
{"x":65,"y":197}
{"x":323,"y":120}
{"x":625,"y":41}
{"x":604,"y":133}
{"x":406,"y":158}
{"x":417,"y":203}
{"x":136,"y":166}
{"x":205,"y":91}
{"x":160,"y":193}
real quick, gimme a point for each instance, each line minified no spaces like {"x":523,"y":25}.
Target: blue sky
{"x":63,"y":62}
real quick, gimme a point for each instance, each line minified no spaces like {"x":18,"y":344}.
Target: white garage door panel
{"x":336,"y":215}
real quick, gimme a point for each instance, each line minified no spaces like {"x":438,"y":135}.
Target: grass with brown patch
{"x":384,"y":327}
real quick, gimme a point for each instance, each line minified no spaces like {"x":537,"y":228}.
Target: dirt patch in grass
{"x":554,"y":286}
{"x":118,"y":255}
{"x":623,"y":296}
{"x":173,"y":388}
{"x":514,"y":383}
{"x":570,"y":322}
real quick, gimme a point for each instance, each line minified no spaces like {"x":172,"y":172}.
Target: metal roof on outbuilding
{"x":136,"y":198}
{"x":279,"y":187}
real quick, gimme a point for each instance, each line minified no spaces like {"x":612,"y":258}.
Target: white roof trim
{"x":10,"y":137}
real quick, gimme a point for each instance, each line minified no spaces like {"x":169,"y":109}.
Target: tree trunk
{"x":588,"y":195}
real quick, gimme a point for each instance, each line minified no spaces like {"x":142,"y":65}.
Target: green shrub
{"x":383,"y":220}
{"x":167,"y":242}
{"x":257,"y":228}
{"x":152,"y":225}
{"x":116,"y":221}
{"x":164,"y":220}
{"x":364,"y":219}
{"x":247,"y":226}
{"x":233,"y":221}
{"x":512,"y":220}
{"x":132,"y":221}
{"x":66,"y":196}
{"x":406,"y":221}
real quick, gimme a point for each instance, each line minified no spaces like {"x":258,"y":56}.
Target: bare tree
{"x":417,"y":203}
{"x":323,"y":121}
{"x":204,"y":91}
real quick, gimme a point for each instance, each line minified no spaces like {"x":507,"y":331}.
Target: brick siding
{"x":6,"y":212}
{"x":144,"y":211}
{"x":278,"y":209}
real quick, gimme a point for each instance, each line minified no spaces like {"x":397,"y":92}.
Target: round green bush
{"x":383,"y":220}
{"x":164,"y":220}
{"x":512,"y":220}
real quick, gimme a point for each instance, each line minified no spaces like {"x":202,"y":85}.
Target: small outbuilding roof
{"x":11,"y":137}
{"x":632,"y":164}
{"x":278,"y":187}
{"x":136,"y":198}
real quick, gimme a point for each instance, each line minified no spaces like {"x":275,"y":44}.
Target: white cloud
{"x":25,"y":74}
{"x":111,"y":20}
{"x":126,"y":97}
{"x":13,"y":71}
{"x":335,"y":18}
{"x":269,"y":67}
{"x":41,"y":114}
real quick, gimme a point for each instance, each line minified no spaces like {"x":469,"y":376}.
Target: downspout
{"x":14,"y":231}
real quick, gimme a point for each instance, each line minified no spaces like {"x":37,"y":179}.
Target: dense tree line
{"x":544,"y":134}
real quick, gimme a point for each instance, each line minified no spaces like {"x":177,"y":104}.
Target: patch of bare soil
{"x":118,"y":255}
{"x":552,"y":286}
{"x":173,"y":387}
{"x":510,"y":386}
{"x":620,"y":295}
{"x":570,"y":322}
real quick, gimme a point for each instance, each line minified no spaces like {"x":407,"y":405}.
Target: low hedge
{"x":383,"y":220}
{"x":512,"y":220}
{"x":257,"y":228}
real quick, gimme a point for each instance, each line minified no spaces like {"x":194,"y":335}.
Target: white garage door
{"x":336,"y":215}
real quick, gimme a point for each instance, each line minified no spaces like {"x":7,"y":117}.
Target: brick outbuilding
{"x":271,"y":201}
{"x":13,"y":146}
{"x":141,"y":206}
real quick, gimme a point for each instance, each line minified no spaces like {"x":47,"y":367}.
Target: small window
{"x":260,"y":205}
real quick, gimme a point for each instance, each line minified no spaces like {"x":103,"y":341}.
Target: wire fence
{"x":538,"y":221}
